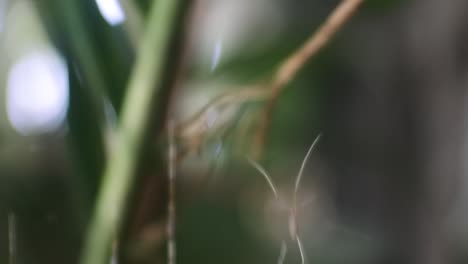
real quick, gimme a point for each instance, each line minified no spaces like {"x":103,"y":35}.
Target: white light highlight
{"x":218,"y":48}
{"x":111,"y":11}
{"x":37,"y":93}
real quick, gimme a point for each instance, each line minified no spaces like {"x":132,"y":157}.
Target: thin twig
{"x":12,"y":238}
{"x":171,"y":206}
{"x":296,"y":61}
{"x":194,"y":127}
{"x":197,"y":122}
{"x":144,"y":85}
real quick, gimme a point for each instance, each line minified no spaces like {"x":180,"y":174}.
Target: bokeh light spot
{"x":37,"y":93}
{"x":112,"y":11}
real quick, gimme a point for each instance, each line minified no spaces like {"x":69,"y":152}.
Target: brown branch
{"x":335,"y":21}
{"x":296,"y":61}
{"x":171,"y":206}
{"x":195,"y":127}
{"x":239,"y":96}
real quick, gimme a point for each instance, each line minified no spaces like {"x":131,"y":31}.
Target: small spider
{"x":292,"y":222}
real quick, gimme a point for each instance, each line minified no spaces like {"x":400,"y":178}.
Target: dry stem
{"x":12,"y":238}
{"x":194,"y":128}
{"x":171,"y":207}
{"x":296,"y":61}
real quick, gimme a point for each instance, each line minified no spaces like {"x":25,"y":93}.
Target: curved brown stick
{"x":296,"y":61}
{"x":195,"y":127}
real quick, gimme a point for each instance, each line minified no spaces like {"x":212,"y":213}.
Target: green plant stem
{"x":143,"y":89}
{"x":134,"y":22}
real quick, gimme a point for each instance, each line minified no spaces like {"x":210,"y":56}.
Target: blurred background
{"x":386,"y":183}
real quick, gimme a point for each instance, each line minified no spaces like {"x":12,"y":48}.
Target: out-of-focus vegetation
{"x":89,"y":87}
